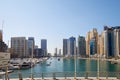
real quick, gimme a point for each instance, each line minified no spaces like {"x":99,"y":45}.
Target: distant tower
{"x":72,"y":46}
{"x":1,"y":37}
{"x":55,"y":54}
{"x":44,"y":46}
{"x":65,"y":47}
{"x":59,"y":52}
{"x":87,"y":43}
{"x":3,"y":46}
{"x":81,"y":46}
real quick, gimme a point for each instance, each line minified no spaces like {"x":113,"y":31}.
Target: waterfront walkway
{"x":70,"y":78}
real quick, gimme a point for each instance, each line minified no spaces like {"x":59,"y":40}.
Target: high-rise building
{"x":44,"y":46}
{"x":72,"y":46}
{"x":94,"y":34}
{"x":109,"y":42}
{"x":18,"y":45}
{"x":117,"y":41}
{"x":56,"y":53}
{"x":65,"y":47}
{"x":38,"y":52}
{"x":3,"y":46}
{"x":92,"y":46}
{"x":87,"y":44}
{"x":59,"y":52}
{"x":90,"y":35}
{"x":32,"y":39}
{"x":81,"y":46}
{"x":101,"y":44}
{"x":30,"y":47}
{"x":1,"y":35}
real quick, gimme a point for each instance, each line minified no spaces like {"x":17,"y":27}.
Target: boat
{"x":58,"y":59}
{"x":14,"y":66}
{"x":25,"y":65}
{"x":2,"y":72}
{"x":48,"y":65}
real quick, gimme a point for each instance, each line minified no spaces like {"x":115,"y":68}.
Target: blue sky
{"x":56,"y":19}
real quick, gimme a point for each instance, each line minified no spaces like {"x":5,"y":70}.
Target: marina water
{"x":67,"y":65}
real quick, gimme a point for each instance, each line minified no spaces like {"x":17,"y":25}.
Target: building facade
{"x":90,"y":35}
{"x":87,"y":44}
{"x":65,"y":47}
{"x":44,"y":46}
{"x":92,"y":46}
{"x":109,"y":42}
{"x":1,"y":35}
{"x":30,"y":47}
{"x":72,"y":46}
{"x":18,"y":45}
{"x":38,"y":53}
{"x":81,"y":46}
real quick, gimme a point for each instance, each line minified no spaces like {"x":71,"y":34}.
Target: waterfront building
{"x":59,"y":52}
{"x":3,"y":46}
{"x":44,"y":46}
{"x":72,"y":46}
{"x":18,"y":45}
{"x":55,"y":54}
{"x":32,"y":39}
{"x":81,"y":50}
{"x":101,"y":44}
{"x":92,"y":46}
{"x":38,"y":52}
{"x":87,"y":43}
{"x":30,"y":47}
{"x":94,"y":34}
{"x":109,"y":42}
{"x":65,"y":47}
{"x":90,"y":35}
{"x":117,"y":42}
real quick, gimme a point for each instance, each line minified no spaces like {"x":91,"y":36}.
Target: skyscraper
{"x":72,"y":46}
{"x":56,"y":53}
{"x":117,"y":41}
{"x":90,"y":35}
{"x":109,"y":42}
{"x":101,"y":44}
{"x":1,"y":37}
{"x":59,"y":52}
{"x":94,"y":34}
{"x":44,"y":46}
{"x":30,"y":47}
{"x":87,"y":44}
{"x":18,"y":45}
{"x":65,"y":47}
{"x":81,"y":46}
{"x":92,"y":46}
{"x":3,"y":46}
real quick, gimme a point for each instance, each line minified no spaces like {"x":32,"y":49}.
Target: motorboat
{"x":26,"y":65}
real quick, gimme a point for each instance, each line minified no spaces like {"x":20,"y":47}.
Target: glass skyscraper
{"x":44,"y":46}
{"x":81,"y":46}
{"x":65,"y":47}
{"x":72,"y":46}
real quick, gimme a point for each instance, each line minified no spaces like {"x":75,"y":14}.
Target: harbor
{"x":62,"y":68}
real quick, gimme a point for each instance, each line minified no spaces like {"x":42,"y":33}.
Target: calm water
{"x":67,"y":65}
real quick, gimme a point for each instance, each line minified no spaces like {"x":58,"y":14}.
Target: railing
{"x":61,"y":75}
